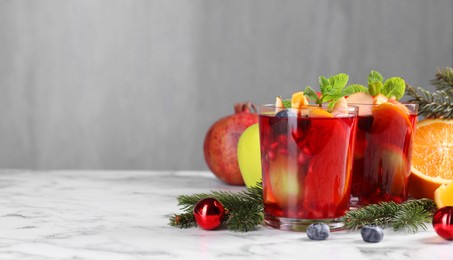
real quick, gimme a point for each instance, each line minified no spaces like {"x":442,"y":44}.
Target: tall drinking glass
{"x":306,"y":159}
{"x":382,"y":154}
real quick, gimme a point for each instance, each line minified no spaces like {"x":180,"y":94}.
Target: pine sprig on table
{"x":244,"y":210}
{"x":437,"y":104}
{"x":408,"y":216}
{"x":246,"y":218}
{"x":185,"y":220}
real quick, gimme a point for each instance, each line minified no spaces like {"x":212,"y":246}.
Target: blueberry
{"x":318,"y":231}
{"x":372,"y":234}
{"x":285,"y":113}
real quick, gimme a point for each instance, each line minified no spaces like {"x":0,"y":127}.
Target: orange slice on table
{"x":432,"y":157}
{"x":443,"y":196}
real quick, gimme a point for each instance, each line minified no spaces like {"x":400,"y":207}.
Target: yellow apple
{"x":249,"y":156}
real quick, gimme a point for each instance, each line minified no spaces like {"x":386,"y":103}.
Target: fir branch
{"x":432,"y":105}
{"x":185,"y":220}
{"x":244,"y":209}
{"x":437,"y":104}
{"x":444,"y":80}
{"x":245,"y":218}
{"x":230,"y":200}
{"x":408,"y":216}
{"x":187,"y":202}
{"x":244,"y":212}
{"x":374,"y":214}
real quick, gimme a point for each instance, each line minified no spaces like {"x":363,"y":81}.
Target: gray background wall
{"x":136,"y":84}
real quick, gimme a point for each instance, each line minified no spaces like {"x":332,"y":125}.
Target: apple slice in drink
{"x":389,"y":165}
{"x":380,"y":99}
{"x":340,"y":108}
{"x":284,"y":181}
{"x":393,"y":161}
{"x":361,"y":100}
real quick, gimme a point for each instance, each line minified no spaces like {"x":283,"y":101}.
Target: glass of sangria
{"x":306,"y":156}
{"x":382,"y":153}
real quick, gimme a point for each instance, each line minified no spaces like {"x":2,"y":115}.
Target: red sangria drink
{"x":382,"y":154}
{"x":306,"y":156}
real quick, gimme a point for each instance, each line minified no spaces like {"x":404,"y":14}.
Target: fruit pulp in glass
{"x":382,"y":155}
{"x":306,"y":163}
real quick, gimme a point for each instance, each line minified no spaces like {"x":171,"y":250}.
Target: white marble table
{"x":124,"y":215}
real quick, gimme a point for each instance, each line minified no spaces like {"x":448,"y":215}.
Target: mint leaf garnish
{"x":338,"y":82}
{"x":353,"y":88}
{"x":324,"y":84}
{"x":327,"y":97}
{"x":334,"y":101}
{"x":374,"y":88}
{"x":312,"y":95}
{"x":331,"y":98}
{"x":394,"y":87}
{"x":333,"y":88}
{"x":375,"y":76}
{"x":286,"y":103}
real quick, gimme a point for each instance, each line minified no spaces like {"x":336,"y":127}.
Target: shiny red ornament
{"x":209,"y":213}
{"x":443,"y":222}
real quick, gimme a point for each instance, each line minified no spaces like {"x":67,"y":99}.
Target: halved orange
{"x":432,"y":157}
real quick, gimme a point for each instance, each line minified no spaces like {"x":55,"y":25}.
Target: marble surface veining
{"x":124,"y":215}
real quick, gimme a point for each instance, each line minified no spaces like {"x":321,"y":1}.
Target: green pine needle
{"x":245,"y":218}
{"x":185,"y":220}
{"x":444,"y":80}
{"x":408,"y":216}
{"x":437,"y":104}
{"x":244,"y":209}
{"x":244,"y":212}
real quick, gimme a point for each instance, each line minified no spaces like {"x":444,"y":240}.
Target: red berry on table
{"x":209,"y":213}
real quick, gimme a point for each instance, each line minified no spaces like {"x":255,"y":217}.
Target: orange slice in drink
{"x":298,"y":100}
{"x":432,"y":155}
{"x":391,"y":110}
{"x":392,"y":120}
{"x":319,"y":112}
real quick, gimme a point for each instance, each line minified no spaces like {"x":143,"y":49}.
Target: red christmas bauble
{"x":209,"y":213}
{"x":443,"y":222}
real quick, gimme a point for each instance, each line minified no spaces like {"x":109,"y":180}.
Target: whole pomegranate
{"x":220,"y":143}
